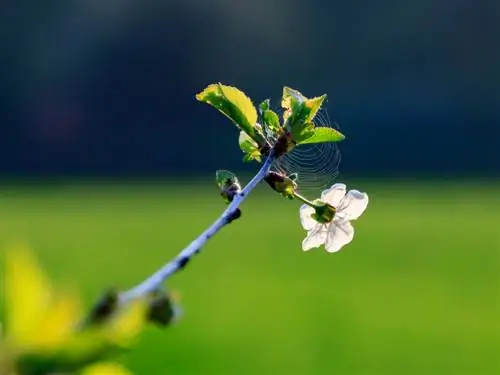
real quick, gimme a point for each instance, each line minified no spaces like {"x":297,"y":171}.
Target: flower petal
{"x":353,"y":205}
{"x":315,"y":238}
{"x":339,"y":235}
{"x":306,"y":220}
{"x":334,"y":194}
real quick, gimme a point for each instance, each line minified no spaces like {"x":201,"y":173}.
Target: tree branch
{"x":154,"y":282}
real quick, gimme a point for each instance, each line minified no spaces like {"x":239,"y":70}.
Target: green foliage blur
{"x":416,"y":292}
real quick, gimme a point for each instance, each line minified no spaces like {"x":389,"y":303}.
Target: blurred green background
{"x":416,"y":292}
{"x":103,"y":147}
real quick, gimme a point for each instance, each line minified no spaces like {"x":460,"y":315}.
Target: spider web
{"x":317,"y":165}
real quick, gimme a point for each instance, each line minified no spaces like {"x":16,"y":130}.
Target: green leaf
{"x":235,"y":105}
{"x":299,"y":113}
{"x":291,"y":97}
{"x":271,"y":120}
{"x":264,"y":106}
{"x":322,"y":135}
{"x":249,"y":147}
{"x":292,"y":102}
{"x":303,"y":134}
{"x":311,"y":107}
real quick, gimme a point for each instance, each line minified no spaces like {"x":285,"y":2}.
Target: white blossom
{"x":339,"y":231}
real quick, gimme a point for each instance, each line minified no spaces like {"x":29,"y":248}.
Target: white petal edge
{"x":353,"y":205}
{"x":315,"y":238}
{"x":334,"y":194}
{"x":338,"y":236}
{"x":306,"y":220}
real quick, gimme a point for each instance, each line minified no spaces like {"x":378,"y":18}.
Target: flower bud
{"x":281,"y":183}
{"x":163,"y":310}
{"x":229,"y":185}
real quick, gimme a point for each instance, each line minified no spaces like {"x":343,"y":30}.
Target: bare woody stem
{"x":155,"y":281}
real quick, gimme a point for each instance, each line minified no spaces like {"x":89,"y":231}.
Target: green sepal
{"x":324,"y":212}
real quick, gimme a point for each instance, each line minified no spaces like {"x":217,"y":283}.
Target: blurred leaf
{"x":28,"y":294}
{"x":104,"y":308}
{"x":323,"y":134}
{"x":59,"y":321}
{"x":249,"y":147}
{"x":235,"y":105}
{"x":127,"y":323}
{"x":105,"y":368}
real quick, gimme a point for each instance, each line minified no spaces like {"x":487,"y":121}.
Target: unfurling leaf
{"x":235,"y":105}
{"x":312,"y":106}
{"x":249,"y":147}
{"x":53,"y":338}
{"x":299,"y":113}
{"x":292,"y":102}
{"x":305,"y":133}
{"x":271,"y":121}
{"x":264,"y":106}
{"x":322,"y":135}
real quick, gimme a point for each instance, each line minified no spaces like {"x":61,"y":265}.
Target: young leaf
{"x":249,"y":147}
{"x":304,"y":133}
{"x":311,"y":107}
{"x":271,"y":120}
{"x":292,"y":102}
{"x":235,"y":105}
{"x":322,"y":135}
{"x":264,"y":106}
{"x":299,"y":113}
{"x":291,"y":97}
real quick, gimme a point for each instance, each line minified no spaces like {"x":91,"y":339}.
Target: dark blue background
{"x":107,"y":87}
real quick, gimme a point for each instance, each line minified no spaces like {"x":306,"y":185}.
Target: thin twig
{"x":154,"y":282}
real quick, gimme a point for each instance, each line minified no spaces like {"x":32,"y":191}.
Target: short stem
{"x":304,"y":199}
{"x":154,"y":282}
